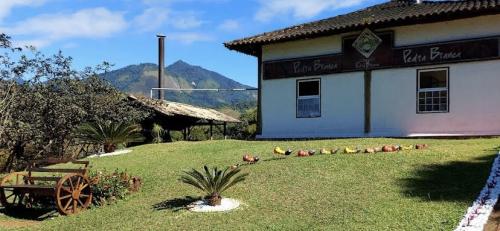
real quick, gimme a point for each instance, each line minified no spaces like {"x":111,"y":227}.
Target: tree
{"x":247,"y":129}
{"x":43,"y":99}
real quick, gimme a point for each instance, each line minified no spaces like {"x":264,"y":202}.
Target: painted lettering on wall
{"x":300,"y":67}
{"x":366,"y":64}
{"x":437,"y":54}
{"x":416,"y":56}
{"x":409,"y":56}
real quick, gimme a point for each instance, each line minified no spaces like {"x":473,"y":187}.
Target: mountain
{"x":139,"y":79}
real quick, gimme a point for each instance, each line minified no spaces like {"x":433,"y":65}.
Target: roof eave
{"x":252,"y":48}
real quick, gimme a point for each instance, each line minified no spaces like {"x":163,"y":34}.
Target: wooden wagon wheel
{"x":12,"y":198}
{"x":73,"y":194}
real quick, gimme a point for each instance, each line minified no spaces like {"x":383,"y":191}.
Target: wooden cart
{"x":70,"y":190}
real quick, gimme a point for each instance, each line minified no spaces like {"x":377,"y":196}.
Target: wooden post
{"x":185,"y":133}
{"x":259,"y":92}
{"x":368,"y":101}
{"x":169,"y":136}
{"x":211,"y":129}
{"x":225,"y":130}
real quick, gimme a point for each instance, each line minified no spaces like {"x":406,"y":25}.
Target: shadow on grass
{"x":30,"y":214}
{"x":459,"y":181}
{"x":175,"y":204}
{"x":275,"y":159}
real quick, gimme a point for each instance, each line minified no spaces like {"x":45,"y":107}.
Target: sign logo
{"x":367,"y":43}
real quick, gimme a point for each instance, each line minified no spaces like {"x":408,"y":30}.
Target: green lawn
{"x":411,"y":190}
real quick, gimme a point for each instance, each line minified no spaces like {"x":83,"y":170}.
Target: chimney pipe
{"x":161,"y":63}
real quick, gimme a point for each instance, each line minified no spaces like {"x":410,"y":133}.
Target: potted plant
{"x":213,"y":182}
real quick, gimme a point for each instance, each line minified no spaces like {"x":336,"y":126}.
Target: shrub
{"x":213,"y":182}
{"x":109,"y":187}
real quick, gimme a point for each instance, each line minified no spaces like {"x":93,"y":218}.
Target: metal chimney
{"x":161,"y":63}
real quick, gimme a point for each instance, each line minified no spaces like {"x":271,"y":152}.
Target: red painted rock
{"x":247,"y":158}
{"x":302,"y":153}
{"x":388,"y":148}
{"x":421,"y":146}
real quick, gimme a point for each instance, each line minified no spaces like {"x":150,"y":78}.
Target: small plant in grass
{"x":107,"y":187}
{"x":157,"y":133}
{"x":110,"y":135}
{"x":213,"y":182}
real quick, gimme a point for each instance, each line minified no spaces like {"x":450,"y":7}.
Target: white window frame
{"x":307,"y":97}
{"x":437,"y":89}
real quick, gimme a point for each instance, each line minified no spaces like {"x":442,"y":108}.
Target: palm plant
{"x":109,"y":134}
{"x":213,"y":182}
{"x":157,"y":132}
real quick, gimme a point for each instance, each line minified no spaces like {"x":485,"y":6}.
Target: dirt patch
{"x":493,"y":223}
{"x":14,"y":224}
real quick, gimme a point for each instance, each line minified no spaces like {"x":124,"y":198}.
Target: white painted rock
{"x":202,"y":206}
{"x":116,"y":153}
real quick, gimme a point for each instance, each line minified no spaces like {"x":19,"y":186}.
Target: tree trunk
{"x":16,"y":152}
{"x":8,"y":163}
{"x":214,"y":199}
{"x":108,"y":148}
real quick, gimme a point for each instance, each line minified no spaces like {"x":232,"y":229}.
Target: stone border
{"x":116,"y":153}
{"x":477,"y":215}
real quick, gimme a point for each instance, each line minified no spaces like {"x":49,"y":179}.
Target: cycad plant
{"x":213,"y":182}
{"x":109,"y":134}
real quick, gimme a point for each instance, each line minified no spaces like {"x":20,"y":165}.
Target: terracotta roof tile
{"x":393,"y":13}
{"x":173,"y":109}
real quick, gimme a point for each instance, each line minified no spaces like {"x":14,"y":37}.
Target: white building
{"x":399,"y":69}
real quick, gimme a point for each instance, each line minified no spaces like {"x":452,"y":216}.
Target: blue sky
{"x":123,"y":31}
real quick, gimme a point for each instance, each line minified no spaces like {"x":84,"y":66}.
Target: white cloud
{"x":190,"y":37}
{"x":44,"y":30}
{"x":229,"y":25}
{"x":6,"y":6}
{"x":300,"y":9}
{"x":151,"y":19}
{"x":155,"y":17}
{"x":185,"y":20}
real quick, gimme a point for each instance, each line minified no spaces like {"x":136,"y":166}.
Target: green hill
{"x":139,"y":79}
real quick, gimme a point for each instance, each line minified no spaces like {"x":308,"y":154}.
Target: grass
{"x":412,"y":190}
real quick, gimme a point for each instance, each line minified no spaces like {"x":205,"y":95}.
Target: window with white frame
{"x":432,"y":90}
{"x":308,"y":98}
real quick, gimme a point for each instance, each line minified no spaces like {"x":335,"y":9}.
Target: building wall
{"x":342,"y":110}
{"x":474,"y":102}
{"x":474,"y":98}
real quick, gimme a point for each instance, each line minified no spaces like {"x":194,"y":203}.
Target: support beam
{"x":259,"y":92}
{"x":184,"y":131}
{"x":225,"y":131}
{"x":368,"y":101}
{"x":211,"y":130}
